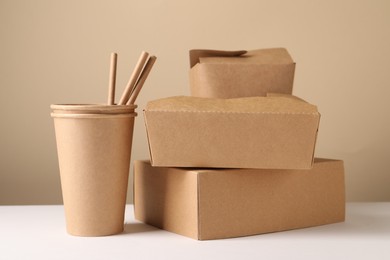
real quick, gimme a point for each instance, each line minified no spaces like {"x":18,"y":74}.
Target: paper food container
{"x":223,"y":203}
{"x":274,"y":132}
{"x":231,"y":74}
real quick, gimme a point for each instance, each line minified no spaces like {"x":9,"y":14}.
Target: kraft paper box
{"x":224,"y":74}
{"x":222,"y":203}
{"x":275,"y":132}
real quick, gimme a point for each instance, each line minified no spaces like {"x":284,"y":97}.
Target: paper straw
{"x":133,"y":79}
{"x":141,"y":81}
{"x":112,"y":79}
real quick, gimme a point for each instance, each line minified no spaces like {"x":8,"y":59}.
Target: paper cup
{"x":94,"y":152}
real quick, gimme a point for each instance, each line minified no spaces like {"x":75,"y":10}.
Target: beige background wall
{"x":58,"y":52}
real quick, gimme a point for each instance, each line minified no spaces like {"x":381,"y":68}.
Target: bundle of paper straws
{"x":136,"y":81}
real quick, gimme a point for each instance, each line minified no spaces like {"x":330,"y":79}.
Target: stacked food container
{"x":236,"y":158}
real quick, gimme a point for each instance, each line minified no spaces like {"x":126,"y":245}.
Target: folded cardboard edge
{"x":195,"y":54}
{"x":192,"y":104}
{"x":148,"y":138}
{"x":264,"y":57}
{"x":199,"y":227}
{"x":208,"y":169}
{"x":315,"y":141}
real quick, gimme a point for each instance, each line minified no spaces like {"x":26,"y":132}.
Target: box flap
{"x":147,"y":135}
{"x":196,"y":54}
{"x":259,"y":57}
{"x":274,"y":104}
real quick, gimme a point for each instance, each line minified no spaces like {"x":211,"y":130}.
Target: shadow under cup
{"x":94,"y":150}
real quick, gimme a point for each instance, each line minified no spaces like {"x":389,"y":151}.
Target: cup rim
{"x":92,"y":108}
{"x":69,"y":115}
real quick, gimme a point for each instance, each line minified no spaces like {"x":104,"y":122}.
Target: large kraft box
{"x":231,"y":74}
{"x":275,"y":132}
{"x":222,"y":203}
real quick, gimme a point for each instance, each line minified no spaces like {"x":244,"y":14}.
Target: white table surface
{"x":38,"y":232}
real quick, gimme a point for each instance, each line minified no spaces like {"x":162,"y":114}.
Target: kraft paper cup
{"x":94,"y":152}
